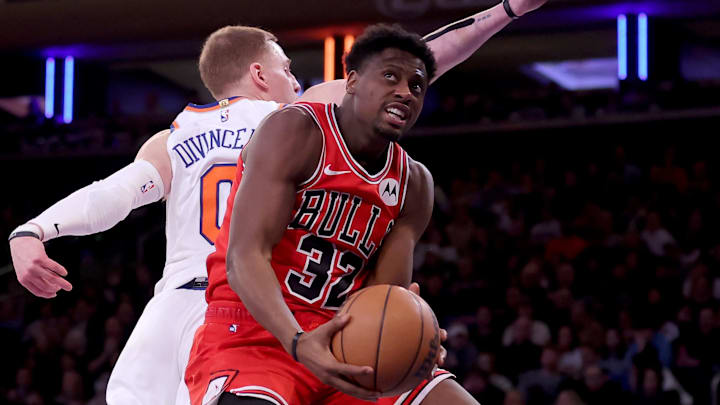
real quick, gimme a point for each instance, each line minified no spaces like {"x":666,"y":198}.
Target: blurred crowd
{"x":559,"y":283}
{"x":529,"y":103}
{"x":588,"y":285}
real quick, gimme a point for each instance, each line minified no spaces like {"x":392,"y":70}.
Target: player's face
{"x":391,"y":89}
{"x":283,"y":87}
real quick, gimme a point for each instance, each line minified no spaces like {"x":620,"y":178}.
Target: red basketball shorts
{"x":233,"y":353}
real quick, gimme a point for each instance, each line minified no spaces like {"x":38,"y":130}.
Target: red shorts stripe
{"x":260,"y":392}
{"x":438,"y":374}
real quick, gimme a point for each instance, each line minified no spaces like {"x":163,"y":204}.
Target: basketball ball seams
{"x":429,"y":361}
{"x":379,"y":344}
{"x":419,"y":345}
{"x":380,"y":335}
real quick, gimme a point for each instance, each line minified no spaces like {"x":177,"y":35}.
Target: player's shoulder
{"x":418,"y":169}
{"x":298,"y":116}
{"x":327,"y":92}
{"x":290,"y":129}
{"x":223,"y":111}
{"x":228,"y":103}
{"x":420,"y":178}
{"x":261,"y":106}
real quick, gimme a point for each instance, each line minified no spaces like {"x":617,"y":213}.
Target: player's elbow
{"x":239,"y":261}
{"x":234,"y":273}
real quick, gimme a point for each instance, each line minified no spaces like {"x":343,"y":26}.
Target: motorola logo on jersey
{"x":388,"y":190}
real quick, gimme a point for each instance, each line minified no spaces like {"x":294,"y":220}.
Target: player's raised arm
{"x":455,"y":42}
{"x":284,"y":152}
{"x":91,"y":209}
{"x":394,"y":264}
{"x":451,"y":44}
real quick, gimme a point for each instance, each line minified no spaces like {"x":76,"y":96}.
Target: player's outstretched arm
{"x":451,"y":45}
{"x":284,"y":152}
{"x":455,"y":42}
{"x":91,"y":209}
{"x":394,"y":264}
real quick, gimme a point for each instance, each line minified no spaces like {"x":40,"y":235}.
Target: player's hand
{"x":522,"y":7}
{"x":415,"y":289}
{"x":38,"y":273}
{"x":313,"y":351}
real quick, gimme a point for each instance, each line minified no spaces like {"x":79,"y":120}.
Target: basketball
{"x":393,"y":331}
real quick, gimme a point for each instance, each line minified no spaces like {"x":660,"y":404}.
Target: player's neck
{"x":365,"y":145}
{"x":241,"y":91}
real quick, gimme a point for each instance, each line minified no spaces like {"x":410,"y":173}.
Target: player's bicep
{"x":394,"y":263}
{"x":154,"y":150}
{"x":261,"y":210}
{"x":395,"y":259}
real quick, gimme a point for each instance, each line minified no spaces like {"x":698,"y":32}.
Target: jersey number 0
{"x":215,"y":187}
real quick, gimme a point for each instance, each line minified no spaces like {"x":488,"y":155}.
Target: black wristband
{"x":20,"y":234}
{"x":508,"y":10}
{"x":294,"y":345}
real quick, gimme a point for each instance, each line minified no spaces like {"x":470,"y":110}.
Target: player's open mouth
{"x":396,"y":115}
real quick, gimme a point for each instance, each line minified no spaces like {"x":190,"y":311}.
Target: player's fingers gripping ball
{"x":393,"y":331}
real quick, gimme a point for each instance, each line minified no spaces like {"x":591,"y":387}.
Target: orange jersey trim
{"x":215,"y":106}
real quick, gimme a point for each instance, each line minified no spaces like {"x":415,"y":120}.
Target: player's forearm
{"x":254,"y":281}
{"x":455,"y":42}
{"x":394,"y":279}
{"x":393,"y":267}
{"x":100,"y":205}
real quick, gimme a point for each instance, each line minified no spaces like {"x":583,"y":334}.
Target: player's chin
{"x":390,"y":133}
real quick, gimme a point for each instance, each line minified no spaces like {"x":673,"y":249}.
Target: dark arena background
{"x":573,"y":255}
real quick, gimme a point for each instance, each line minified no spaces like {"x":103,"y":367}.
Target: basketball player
{"x":191,"y":167}
{"x":320,"y":191}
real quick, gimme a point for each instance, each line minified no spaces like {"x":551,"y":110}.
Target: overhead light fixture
{"x":575,"y":75}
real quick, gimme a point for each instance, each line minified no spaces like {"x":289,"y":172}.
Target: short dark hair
{"x":379,"y":37}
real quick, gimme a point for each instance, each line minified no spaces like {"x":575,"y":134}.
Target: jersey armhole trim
{"x":406,"y":164}
{"x":318,"y":169}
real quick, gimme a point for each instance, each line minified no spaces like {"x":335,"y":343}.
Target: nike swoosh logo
{"x":57,"y":229}
{"x":330,"y":172}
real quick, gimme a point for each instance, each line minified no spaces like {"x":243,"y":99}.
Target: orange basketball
{"x":393,"y":331}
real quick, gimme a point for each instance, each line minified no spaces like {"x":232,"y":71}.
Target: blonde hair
{"x":227,"y":54}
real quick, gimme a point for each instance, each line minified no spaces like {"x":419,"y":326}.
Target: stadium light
{"x":68,"y":89}
{"x":49,"y":87}
{"x":329,"y":59}
{"x":622,"y":46}
{"x":347,"y":45}
{"x":643,"y":46}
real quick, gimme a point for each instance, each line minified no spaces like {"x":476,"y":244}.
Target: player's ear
{"x":257,"y":74}
{"x":351,"y":82}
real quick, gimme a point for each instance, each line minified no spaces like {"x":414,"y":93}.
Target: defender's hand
{"x":522,"y":7}
{"x":313,"y":351}
{"x":38,"y":273}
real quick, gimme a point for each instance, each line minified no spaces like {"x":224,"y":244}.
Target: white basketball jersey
{"x":204,"y":146}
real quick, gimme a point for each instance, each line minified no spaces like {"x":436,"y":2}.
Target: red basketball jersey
{"x":340,"y":217}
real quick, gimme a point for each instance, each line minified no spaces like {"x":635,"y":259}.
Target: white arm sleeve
{"x":102,"y":204}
